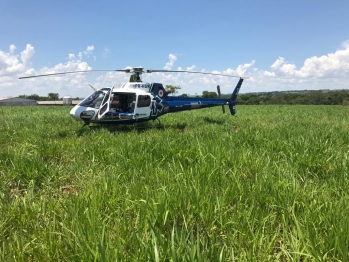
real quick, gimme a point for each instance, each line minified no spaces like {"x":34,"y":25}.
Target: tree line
{"x":305,"y":97}
{"x":49,"y":97}
{"x":319,"y":97}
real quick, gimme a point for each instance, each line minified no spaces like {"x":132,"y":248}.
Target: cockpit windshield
{"x":93,"y":100}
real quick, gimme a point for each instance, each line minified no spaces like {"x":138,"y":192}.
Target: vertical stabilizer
{"x":235,"y":93}
{"x":233,"y":97}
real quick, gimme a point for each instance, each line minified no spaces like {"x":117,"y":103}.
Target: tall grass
{"x":270,"y":184}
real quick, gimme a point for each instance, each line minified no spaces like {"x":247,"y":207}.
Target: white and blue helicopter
{"x":136,"y":102}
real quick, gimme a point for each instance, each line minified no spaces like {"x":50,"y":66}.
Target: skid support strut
{"x":85,"y":124}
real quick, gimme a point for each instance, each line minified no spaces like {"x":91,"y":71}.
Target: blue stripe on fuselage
{"x":176,"y":104}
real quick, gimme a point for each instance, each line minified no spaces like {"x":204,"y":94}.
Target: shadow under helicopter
{"x":143,"y":127}
{"x":130,"y":128}
{"x":213,"y":121}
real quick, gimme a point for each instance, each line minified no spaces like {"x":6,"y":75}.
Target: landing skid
{"x":85,"y":124}
{"x":140,"y":127}
{"x":160,"y":126}
{"x":123,"y":127}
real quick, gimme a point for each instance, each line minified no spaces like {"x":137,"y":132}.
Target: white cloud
{"x":71,"y":57}
{"x":191,"y":68}
{"x":331,"y":65}
{"x":242,"y":69}
{"x":278,"y":63}
{"x":106,"y":52}
{"x":89,"y":50}
{"x":12,"y":48}
{"x":266,"y":73}
{"x":27,"y":54}
{"x":169,"y":64}
{"x":11,"y":64}
{"x":329,"y":71}
{"x":282,"y":76}
{"x":345,"y":44}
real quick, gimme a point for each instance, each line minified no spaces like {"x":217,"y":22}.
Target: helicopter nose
{"x":76,"y":111}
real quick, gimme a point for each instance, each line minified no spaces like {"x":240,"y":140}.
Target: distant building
{"x":17,"y":101}
{"x":67,"y":100}
{"x":57,"y":103}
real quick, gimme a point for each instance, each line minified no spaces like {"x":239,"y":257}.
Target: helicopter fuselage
{"x":136,"y":102}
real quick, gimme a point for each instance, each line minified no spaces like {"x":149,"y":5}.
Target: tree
{"x":207,"y":94}
{"x":174,"y":89}
{"x":183,"y":95}
{"x":53,"y":96}
{"x":34,"y":97}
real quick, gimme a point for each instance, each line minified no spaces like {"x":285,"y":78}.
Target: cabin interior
{"x":123,"y":102}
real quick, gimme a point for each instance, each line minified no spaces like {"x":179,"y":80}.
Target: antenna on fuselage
{"x":94,"y":89}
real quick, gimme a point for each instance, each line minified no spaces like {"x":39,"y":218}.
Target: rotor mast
{"x":136,"y":74}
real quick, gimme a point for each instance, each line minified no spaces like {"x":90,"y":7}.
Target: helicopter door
{"x":105,"y":105}
{"x":143,"y":106}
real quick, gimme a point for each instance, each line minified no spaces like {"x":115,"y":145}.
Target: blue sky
{"x":280,"y":45}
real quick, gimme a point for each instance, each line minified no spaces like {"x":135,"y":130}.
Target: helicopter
{"x":135,"y":102}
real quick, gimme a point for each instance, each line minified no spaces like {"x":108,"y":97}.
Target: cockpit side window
{"x":143,"y":101}
{"x":105,"y":105}
{"x":93,"y":100}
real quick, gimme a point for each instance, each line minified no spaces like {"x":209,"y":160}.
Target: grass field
{"x":270,"y":184}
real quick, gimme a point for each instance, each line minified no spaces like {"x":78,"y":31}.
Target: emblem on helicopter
{"x":161,"y":93}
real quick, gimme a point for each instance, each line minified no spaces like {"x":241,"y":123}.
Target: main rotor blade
{"x":192,"y":72}
{"x":73,"y":72}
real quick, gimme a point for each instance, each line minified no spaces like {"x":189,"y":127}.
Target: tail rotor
{"x":220,"y":96}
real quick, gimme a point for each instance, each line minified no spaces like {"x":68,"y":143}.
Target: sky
{"x":277,"y":45}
